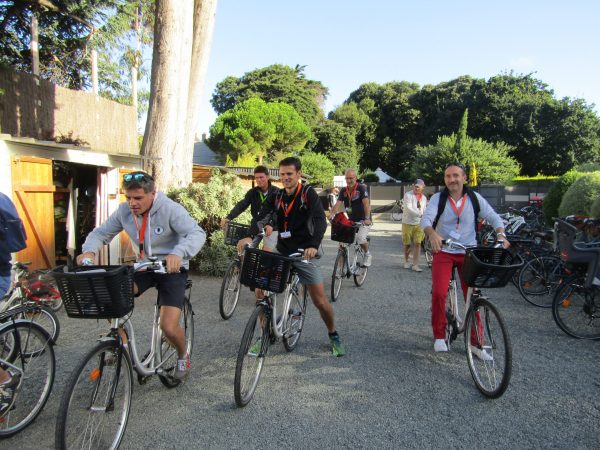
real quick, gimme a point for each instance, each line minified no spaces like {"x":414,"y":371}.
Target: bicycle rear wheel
{"x":26,"y":350}
{"x":489,"y":351}
{"x":46,"y":318}
{"x":538,"y":280}
{"x":251,"y":355}
{"x":167,"y":358}
{"x":296,"y":315}
{"x":576,"y":309}
{"x":95,"y":406}
{"x":230,"y":290}
{"x":360,"y":273}
{"x":339,"y":272}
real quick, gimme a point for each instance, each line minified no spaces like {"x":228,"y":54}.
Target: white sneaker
{"x":481,"y":354}
{"x":367,"y":260}
{"x":417,"y":269}
{"x":440,"y":345}
{"x":407,"y":265}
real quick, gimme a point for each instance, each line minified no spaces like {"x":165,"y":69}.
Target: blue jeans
{"x":4,"y":285}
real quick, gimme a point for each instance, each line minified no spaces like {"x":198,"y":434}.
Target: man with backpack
{"x":452,"y":214}
{"x":12,"y":239}
{"x":299,"y":217}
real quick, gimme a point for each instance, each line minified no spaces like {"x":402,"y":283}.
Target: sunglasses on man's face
{"x":456,"y":164}
{"x":128,"y":177}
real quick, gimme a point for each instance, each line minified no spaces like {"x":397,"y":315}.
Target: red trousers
{"x":441,"y":271}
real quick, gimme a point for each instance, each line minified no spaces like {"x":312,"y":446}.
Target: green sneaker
{"x":337,"y":348}
{"x":255,"y":349}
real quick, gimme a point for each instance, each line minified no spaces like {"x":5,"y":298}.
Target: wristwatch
{"x":501,"y":234}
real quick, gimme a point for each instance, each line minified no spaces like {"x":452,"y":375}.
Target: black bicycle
{"x":230,"y":287}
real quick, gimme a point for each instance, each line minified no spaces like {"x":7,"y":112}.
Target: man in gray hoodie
{"x":160,"y":227}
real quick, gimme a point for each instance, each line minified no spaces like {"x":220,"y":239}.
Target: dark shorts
{"x":170,"y":286}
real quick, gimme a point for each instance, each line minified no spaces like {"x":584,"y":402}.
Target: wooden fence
{"x":38,"y":109}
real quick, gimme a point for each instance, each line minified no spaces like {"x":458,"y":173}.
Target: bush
{"x":579,"y":197}
{"x":319,"y":167}
{"x":370,"y":177}
{"x":595,"y":211}
{"x":555,"y":194}
{"x":588,"y":167}
{"x":208,"y":204}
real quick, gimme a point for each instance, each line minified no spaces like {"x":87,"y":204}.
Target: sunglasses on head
{"x":136,"y":176}
{"x":456,"y":164}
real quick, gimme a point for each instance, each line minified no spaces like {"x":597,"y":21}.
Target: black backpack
{"x":444,"y":199}
{"x":12,"y":231}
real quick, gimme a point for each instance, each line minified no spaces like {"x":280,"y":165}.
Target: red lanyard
{"x":456,"y":210}
{"x":419,"y":197}
{"x":141,"y":232}
{"x":287,"y":209}
{"x":351,"y":195}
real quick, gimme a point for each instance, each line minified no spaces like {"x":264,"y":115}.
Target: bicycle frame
{"x":351,"y":269}
{"x":455,"y":309}
{"x":270,"y":301}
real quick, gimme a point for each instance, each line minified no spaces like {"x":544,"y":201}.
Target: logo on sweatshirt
{"x":159,"y":230}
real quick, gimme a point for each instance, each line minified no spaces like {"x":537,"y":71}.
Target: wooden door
{"x":33,"y":196}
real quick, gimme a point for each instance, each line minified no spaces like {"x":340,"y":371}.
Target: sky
{"x":345,"y":43}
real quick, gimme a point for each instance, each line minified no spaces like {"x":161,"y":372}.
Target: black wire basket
{"x":96,"y":292}
{"x":265,"y":270}
{"x":235,"y":232}
{"x":488,"y":267}
{"x":342,"y":233}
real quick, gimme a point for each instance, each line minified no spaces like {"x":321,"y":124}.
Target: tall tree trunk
{"x":182,"y":38}
{"x":203,"y":25}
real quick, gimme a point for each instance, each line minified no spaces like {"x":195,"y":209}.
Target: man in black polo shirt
{"x":257,"y":197}
{"x":355,"y":198}
{"x":300,"y":219}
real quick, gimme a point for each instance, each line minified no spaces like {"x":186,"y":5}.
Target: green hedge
{"x":555,"y":194}
{"x":579,"y":197}
{"x":595,"y":211}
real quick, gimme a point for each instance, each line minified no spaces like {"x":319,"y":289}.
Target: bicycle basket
{"x":265,"y":270}
{"x":235,"y":232}
{"x":342,"y":233}
{"x":488,"y":267}
{"x":96,"y":292}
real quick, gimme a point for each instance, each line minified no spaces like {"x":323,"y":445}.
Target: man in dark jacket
{"x":257,"y":198}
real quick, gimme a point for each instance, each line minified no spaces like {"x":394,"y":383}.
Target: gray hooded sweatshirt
{"x":170,"y":230}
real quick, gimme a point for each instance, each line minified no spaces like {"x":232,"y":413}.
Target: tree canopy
{"x":319,"y":167}
{"x":258,"y":128}
{"x":338,"y":143}
{"x":273,"y":83}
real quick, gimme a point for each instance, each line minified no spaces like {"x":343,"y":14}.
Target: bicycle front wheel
{"x":576,"y":309}
{"x":26,"y":350}
{"x":427,"y":251}
{"x":339,"y":272}
{"x":95,"y":406}
{"x":296,"y":315}
{"x":396,"y":214}
{"x":167,"y":359}
{"x":230,"y":290}
{"x":360,"y":272}
{"x":538,"y":280}
{"x":251,"y":355}
{"x":489,"y":351}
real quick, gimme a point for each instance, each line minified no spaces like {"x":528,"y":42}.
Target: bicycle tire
{"x":451,"y":304}
{"x":576,"y":309}
{"x":46,"y":318}
{"x":339,"y":272}
{"x":86,"y":407}
{"x":360,"y":274}
{"x":296,"y":315}
{"x":427,"y":251}
{"x":230,"y":290}
{"x":38,"y":363}
{"x":486,"y":331}
{"x":249,"y":366}
{"x":396,"y":216}
{"x":167,"y":356}
{"x":539,"y":279}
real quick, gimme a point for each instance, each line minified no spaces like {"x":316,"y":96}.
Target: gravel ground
{"x":390,"y":391}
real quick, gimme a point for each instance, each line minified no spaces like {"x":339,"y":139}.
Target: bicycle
{"x":20,"y":294}
{"x":347,"y":262}
{"x":396,"y":212}
{"x":576,"y":304}
{"x":427,"y":251}
{"x":27,"y":352}
{"x":487,"y":342}
{"x":269,"y":321}
{"x":230,"y":287}
{"x":95,"y":406}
